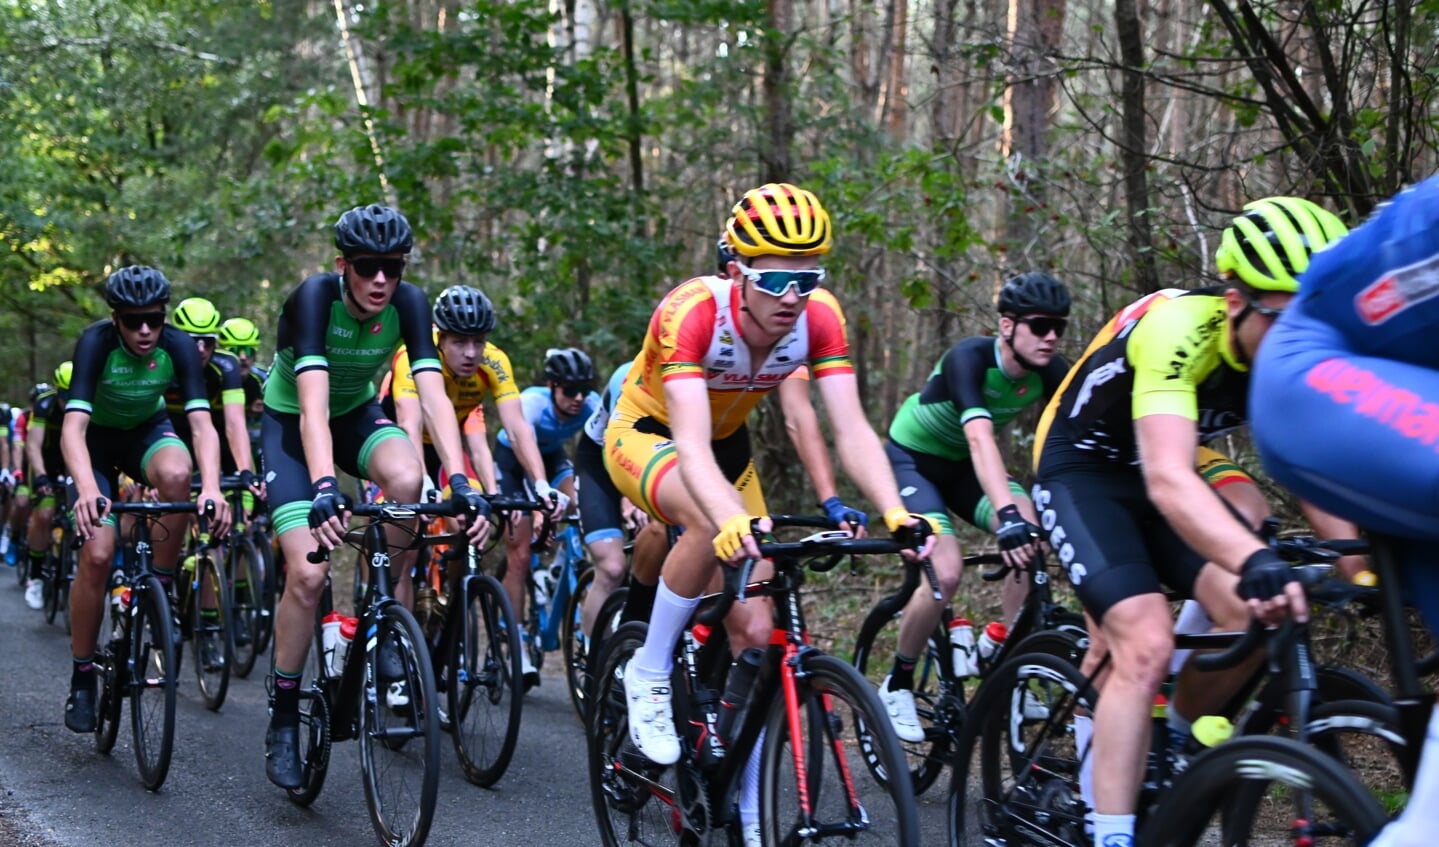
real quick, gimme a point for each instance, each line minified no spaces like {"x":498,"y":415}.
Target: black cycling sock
{"x":82,"y":673}
{"x":902,"y":674}
{"x":285,"y":707}
{"x":639,"y":601}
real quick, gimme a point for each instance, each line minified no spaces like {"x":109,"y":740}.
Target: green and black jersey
{"x":121,"y":390}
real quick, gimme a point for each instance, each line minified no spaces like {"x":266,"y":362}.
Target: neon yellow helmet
{"x":197,"y":316}
{"x":239,"y":332}
{"x":62,"y":375}
{"x":1269,"y":246}
{"x":778,"y":219}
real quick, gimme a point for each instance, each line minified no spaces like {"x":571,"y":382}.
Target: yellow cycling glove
{"x":895,"y":519}
{"x":731,"y":536}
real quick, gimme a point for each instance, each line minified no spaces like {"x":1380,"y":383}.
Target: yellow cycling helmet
{"x":239,"y":332}
{"x":62,"y":375}
{"x":778,"y":219}
{"x":196,"y":316}
{"x":1269,"y":246}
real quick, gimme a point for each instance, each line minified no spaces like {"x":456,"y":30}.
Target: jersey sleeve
{"x":1167,"y":353}
{"x":189,"y":372}
{"x":402,"y":378}
{"x":307,"y":315}
{"x":89,"y":363}
{"x":413,"y":310}
{"x":828,"y":345}
{"x":232,"y":381}
{"x":683,"y":325}
{"x":963,"y":370}
{"x":495,"y":365}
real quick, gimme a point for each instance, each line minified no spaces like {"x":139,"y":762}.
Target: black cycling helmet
{"x":568,"y":366}
{"x":724,"y":254}
{"x":1034,"y":293}
{"x":464,"y":310}
{"x":40,"y":388}
{"x":137,"y":285}
{"x":373,"y":229}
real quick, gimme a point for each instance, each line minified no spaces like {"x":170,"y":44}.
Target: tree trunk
{"x":1133,"y":144}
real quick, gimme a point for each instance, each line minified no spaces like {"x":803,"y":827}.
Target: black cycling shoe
{"x":282,"y":756}
{"x":80,"y":710}
{"x":391,"y":665}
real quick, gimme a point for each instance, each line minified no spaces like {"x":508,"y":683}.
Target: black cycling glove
{"x":465,"y":495}
{"x":1264,"y":575}
{"x":328,"y":502}
{"x":1014,"y":531}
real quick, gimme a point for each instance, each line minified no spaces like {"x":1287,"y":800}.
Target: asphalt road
{"x":56,"y":791}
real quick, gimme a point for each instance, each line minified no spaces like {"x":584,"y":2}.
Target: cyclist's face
{"x":140,"y":327}
{"x":775,"y":316}
{"x":1033,"y":345}
{"x":462,"y":353}
{"x":1263,"y":309}
{"x":569,"y":399}
{"x":371,"y":293}
{"x":206,"y":345}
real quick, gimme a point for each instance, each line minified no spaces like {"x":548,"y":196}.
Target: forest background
{"x":577,"y":158}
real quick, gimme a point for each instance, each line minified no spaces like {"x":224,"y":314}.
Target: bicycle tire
{"x":110,"y":671}
{"x":484,"y":692}
{"x":633,"y":798}
{"x":574,"y":643}
{"x":607,"y":622}
{"x":69,"y":561}
{"x":314,"y":730}
{"x":1334,"y":683}
{"x":939,"y":703}
{"x":1207,"y":785}
{"x":269,"y":580}
{"x":152,"y":683}
{"x":246,"y":585}
{"x":1024,"y":765}
{"x":401,"y":812}
{"x":213,"y":682}
{"x":49,"y":585}
{"x":834,"y":699}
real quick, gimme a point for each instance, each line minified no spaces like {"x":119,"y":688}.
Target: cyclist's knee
{"x":750,"y":624}
{"x":304,"y":581}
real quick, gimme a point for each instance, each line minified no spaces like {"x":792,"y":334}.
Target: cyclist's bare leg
{"x":169,"y":472}
{"x":1198,"y":693}
{"x":1138,"y":632}
{"x":87,"y":592}
{"x":295,"y":616}
{"x":517,"y":559}
{"x":921,"y":615}
{"x":397,"y":469}
{"x":608,"y":556}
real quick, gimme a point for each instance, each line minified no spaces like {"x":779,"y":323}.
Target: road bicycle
{"x":1017,"y":779}
{"x":61,"y":559}
{"x":824,"y":729}
{"x":941,"y":700}
{"x":246,"y":562}
{"x":389,"y":704}
{"x":202,"y":601}
{"x":138,"y":661}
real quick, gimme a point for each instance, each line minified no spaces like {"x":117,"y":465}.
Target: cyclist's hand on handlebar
{"x":1017,"y":537}
{"x":1268,"y":584}
{"x":558,"y":500}
{"x":328,"y":512}
{"x":42,"y":484}
{"x":89,"y":509}
{"x":477,"y":508}
{"x":917,"y":532}
{"x":850,"y":520}
{"x":220,"y":522}
{"x":735,"y":540}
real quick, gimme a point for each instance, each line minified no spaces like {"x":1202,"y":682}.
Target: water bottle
{"x":991,"y":639}
{"x":961,"y":640}
{"x":544,"y":586}
{"x":736,"y":694}
{"x":700,"y":725}
{"x":336,"y":633}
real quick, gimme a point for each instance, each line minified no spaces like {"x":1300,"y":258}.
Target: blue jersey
{"x":595,"y":426}
{"x":551,"y":433}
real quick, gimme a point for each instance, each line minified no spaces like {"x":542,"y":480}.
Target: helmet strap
{"x":1023,"y":362}
{"x":1234,"y":333}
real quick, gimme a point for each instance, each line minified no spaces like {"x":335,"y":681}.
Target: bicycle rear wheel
{"x":575,"y":644}
{"x":50,"y":585}
{"x":210,"y":631}
{"x":246,"y":603}
{"x":268,"y":591}
{"x":484,"y":676}
{"x":1310,"y":798}
{"x":400,"y":731}
{"x":314,"y":729}
{"x":634,"y":799}
{"x":1016,"y":774}
{"x":841,"y":726}
{"x":152,"y":684}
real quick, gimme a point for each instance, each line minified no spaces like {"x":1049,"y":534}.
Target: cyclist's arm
{"x":313,"y":389}
{"x":477,"y":444}
{"x":1166,"y":454}
{"x":522,"y":437}
{"x":410,"y":417}
{"x":439,"y":415}
{"x":232,"y":410}
{"x":690,"y":423}
{"x":801,"y":424}
{"x":860,"y":450}
{"x":988,"y":463}
{"x":34,"y":453}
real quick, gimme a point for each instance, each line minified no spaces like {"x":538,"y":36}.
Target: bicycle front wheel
{"x":576,"y":645}
{"x":210,"y":631}
{"x":484,"y":675}
{"x":267,"y":588}
{"x":152,"y":682}
{"x":247,"y":583}
{"x":314,"y":728}
{"x":1311,"y":798}
{"x":399,"y":729}
{"x":834,"y":768}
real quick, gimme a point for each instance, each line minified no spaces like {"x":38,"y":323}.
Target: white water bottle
{"x":330,"y":640}
{"x":544,"y":586}
{"x":961,"y":640}
{"x":994,"y":635}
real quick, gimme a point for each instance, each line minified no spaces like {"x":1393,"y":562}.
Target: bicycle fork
{"x":795,"y":650}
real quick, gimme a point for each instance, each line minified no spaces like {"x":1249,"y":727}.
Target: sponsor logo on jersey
{"x":375,"y":329}
{"x":1096,"y":378}
{"x":1397,"y":290}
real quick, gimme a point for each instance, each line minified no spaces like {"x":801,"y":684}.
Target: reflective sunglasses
{"x":1266,"y":311}
{"x":369,"y":266}
{"x":575,"y":390}
{"x":244,"y":352}
{"x":777,"y":282}
{"x":1042,"y":326}
{"x":137,"y":320}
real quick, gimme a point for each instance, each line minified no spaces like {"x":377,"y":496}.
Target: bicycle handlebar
{"x":387,"y":512}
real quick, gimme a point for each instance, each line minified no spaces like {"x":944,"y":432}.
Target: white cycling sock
{"x":1114,"y":830}
{"x":1416,"y":826}
{"x":671,"y":614}
{"x":749,"y":785}
{"x":1083,"y":731}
